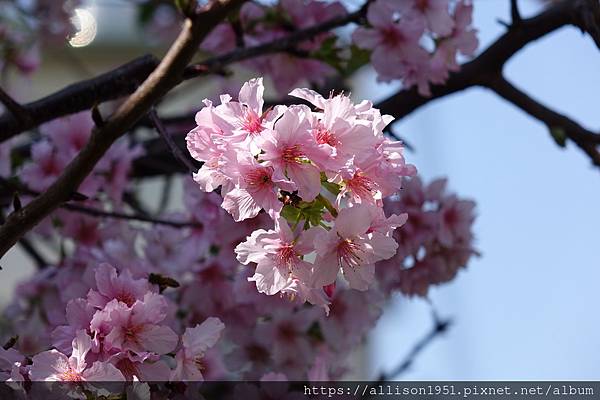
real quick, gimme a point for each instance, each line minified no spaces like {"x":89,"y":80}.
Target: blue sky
{"x":527,"y":308}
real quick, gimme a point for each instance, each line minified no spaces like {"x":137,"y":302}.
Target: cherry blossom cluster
{"x":261,"y":24}
{"x":436,"y":241}
{"x":62,"y":139}
{"x":119,"y":331}
{"x":417,"y":41}
{"x":319,"y":174}
{"x":103,"y":292}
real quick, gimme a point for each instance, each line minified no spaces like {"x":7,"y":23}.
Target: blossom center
{"x":292,"y":154}
{"x":253,"y":123}
{"x":391,"y":36}
{"x":126,"y":297}
{"x":199,"y":363}
{"x":422,"y":5}
{"x":258,"y":178}
{"x":71,"y":375}
{"x":325,"y":136}
{"x":287,"y":257}
{"x":348,"y":254}
{"x":361,"y":185}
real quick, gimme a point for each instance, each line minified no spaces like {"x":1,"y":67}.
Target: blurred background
{"x":526,"y":309}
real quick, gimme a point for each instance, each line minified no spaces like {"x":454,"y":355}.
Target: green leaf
{"x":331,"y":187}
{"x":358,"y":59}
{"x":559,"y":135}
{"x":290,"y":213}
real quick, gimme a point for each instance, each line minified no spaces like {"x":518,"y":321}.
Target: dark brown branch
{"x":515,"y":14}
{"x":560,"y":126}
{"x":166,"y":76}
{"x":490,"y":62}
{"x":439,"y":328}
{"x":171,"y":145}
{"x":94,"y":212}
{"x":17,"y":110}
{"x":33,"y":253}
{"x":14,"y":188}
{"x":125,"y":79}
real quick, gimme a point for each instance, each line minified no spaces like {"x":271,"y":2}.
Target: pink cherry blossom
{"x":462,"y":39}
{"x":194,"y":344}
{"x":46,"y":166}
{"x":79,"y":314}
{"x":111,"y":286}
{"x":289,"y":149}
{"x":278,"y":256}
{"x":137,"y":328}
{"x":255,"y":190}
{"x":433,"y":12}
{"x":349,"y":246}
{"x":53,"y":365}
{"x":392,"y":41}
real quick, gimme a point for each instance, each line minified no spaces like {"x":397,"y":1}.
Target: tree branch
{"x":125,"y":79}
{"x":166,"y":75}
{"x":439,"y":328}
{"x":559,"y":126}
{"x":94,"y":212}
{"x":17,"y":110}
{"x":172,"y":146}
{"x":33,"y":253}
{"x":478,"y":72}
{"x":490,"y":62}
{"x":515,"y":14}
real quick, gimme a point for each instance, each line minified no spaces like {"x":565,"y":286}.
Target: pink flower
{"x":289,"y":149}
{"x":11,"y":363}
{"x":255,"y":189}
{"x":462,"y":39}
{"x":433,"y":12}
{"x":220,"y":40}
{"x":456,"y":218}
{"x":339,"y":128}
{"x":79,"y":315}
{"x":287,"y":334}
{"x":47,"y":164}
{"x":392,"y":41}
{"x":349,"y":246}
{"x":278,"y":255}
{"x":245,"y":120}
{"x":136,"y":328}
{"x":53,"y":365}
{"x":285,"y":69}
{"x":121,"y":287}
{"x":70,"y":134}
{"x":297,"y":290}
{"x":194,"y":344}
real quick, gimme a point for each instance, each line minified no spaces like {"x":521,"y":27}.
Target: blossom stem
{"x":332,"y":210}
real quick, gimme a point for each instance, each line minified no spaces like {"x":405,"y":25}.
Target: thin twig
{"x":94,"y":212}
{"x":559,"y":126}
{"x":33,"y":253}
{"x":17,"y":110}
{"x":439,"y":328}
{"x":515,"y":14}
{"x":175,"y":150}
